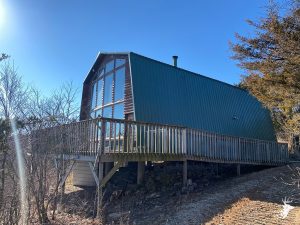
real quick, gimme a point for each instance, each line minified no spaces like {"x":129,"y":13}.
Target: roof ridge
{"x":192,"y":73}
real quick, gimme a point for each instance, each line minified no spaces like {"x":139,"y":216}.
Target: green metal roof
{"x":170,"y":95}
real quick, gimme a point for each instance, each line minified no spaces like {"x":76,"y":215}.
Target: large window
{"x":109,"y":66}
{"x":119,"y":111}
{"x":108,"y":90}
{"x":120,"y":62}
{"x":107,"y":111}
{"x":119,"y":84}
{"x":94,"y":96}
{"x":100,"y":91}
{"x":98,"y":112}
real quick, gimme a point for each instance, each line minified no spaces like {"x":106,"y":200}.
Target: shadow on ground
{"x":161,"y":198}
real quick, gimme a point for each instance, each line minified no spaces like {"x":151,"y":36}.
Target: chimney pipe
{"x":175,"y":57}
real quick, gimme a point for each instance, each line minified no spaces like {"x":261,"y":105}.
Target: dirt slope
{"x":254,"y":198}
{"x":250,"y":199}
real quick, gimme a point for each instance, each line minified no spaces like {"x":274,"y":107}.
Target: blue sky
{"x":55,"y":41}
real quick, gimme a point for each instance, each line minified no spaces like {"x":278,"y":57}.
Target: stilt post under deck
{"x":140,"y":172}
{"x":99,"y":199}
{"x":238,"y":169}
{"x":184,"y":172}
{"x":101,"y":169}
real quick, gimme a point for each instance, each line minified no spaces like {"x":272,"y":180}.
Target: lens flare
{"x":20,"y":161}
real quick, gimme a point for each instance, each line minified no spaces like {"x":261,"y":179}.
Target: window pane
{"x":120,"y":84}
{"x":107,"y":134}
{"x":109,"y":66}
{"x":107,"y":111}
{"x":93,"y":115}
{"x":120,"y":62}
{"x":93,"y":97}
{"x":119,"y":111}
{"x":108,"y":89}
{"x":100,"y":91}
{"x":98,"y":113}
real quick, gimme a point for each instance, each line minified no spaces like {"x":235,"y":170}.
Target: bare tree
{"x":63,"y":106}
{"x":44,"y":113}
{"x":12,"y":99}
{"x":13,"y":94}
{"x":37,"y":114}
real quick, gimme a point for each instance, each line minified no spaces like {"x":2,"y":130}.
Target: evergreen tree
{"x":271,"y":60}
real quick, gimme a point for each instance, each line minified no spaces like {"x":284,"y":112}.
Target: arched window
{"x":108,"y":90}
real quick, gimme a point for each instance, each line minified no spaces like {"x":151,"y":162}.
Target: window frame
{"x":99,"y":76}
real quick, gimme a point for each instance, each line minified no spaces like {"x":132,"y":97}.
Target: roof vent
{"x":175,"y":57}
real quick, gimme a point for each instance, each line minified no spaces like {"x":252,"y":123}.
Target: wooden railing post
{"x":238,"y":169}
{"x":125,"y":144}
{"x":239,"y":150}
{"x":100,"y":190}
{"x":184,"y":140}
{"x":88,"y":138}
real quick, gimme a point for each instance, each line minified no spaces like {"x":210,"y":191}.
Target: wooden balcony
{"x":122,"y":140}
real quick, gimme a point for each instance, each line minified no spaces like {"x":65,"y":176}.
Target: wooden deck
{"x":99,"y":142}
{"x":104,"y":140}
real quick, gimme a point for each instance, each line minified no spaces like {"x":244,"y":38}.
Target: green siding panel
{"x":169,"y":95}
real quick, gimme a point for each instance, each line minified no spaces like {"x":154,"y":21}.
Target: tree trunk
{"x":3,"y":178}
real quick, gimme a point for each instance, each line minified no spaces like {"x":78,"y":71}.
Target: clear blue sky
{"x":56,"y":41}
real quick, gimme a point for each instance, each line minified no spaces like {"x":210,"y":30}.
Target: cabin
{"x":133,"y":87}
{"x":137,"y":109}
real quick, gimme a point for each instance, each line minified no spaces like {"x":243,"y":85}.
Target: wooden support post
{"x":140,"y":172}
{"x":125,"y":138}
{"x":238,"y":169}
{"x":101,"y":170}
{"x":184,"y":172}
{"x":107,"y":167}
{"x":99,"y":200}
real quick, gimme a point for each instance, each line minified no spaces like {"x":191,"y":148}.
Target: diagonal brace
{"x":94,"y":174}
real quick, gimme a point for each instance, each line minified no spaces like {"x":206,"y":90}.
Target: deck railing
{"x":113,"y":136}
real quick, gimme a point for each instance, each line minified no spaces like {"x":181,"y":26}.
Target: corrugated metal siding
{"x":169,"y":95}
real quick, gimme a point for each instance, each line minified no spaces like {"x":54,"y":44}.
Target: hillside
{"x":253,"y":198}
